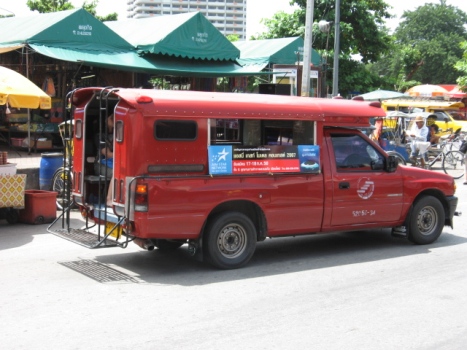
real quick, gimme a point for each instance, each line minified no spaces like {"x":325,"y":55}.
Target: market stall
{"x":17,"y":91}
{"x":12,"y":187}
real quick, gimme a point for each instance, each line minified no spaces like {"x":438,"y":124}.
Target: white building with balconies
{"x":228,"y":16}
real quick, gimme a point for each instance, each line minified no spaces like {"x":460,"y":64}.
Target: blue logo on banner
{"x":220,"y":159}
{"x":309,"y":158}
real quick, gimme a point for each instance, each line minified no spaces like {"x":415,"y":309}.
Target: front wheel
{"x":230,"y":240}
{"x":454,"y":164}
{"x":426,"y":220}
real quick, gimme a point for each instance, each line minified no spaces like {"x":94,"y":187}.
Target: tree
{"x":46,"y":6}
{"x":461,"y":66}
{"x":361,"y":23}
{"x":397,"y":68}
{"x":362,"y":33}
{"x":435,"y":31}
{"x":91,"y":8}
{"x":282,"y":25}
{"x":232,"y":37}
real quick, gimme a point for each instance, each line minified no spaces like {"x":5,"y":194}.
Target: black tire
{"x":61,"y":183}
{"x":426,"y":220}
{"x":166,"y":245}
{"x":230,"y":240}
{"x":454,"y":164}
{"x":11,"y":216}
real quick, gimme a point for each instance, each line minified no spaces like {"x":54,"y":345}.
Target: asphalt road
{"x":358,"y":290}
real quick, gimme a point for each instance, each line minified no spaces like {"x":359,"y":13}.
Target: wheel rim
{"x":61,"y":184}
{"x":59,"y":187}
{"x":453,"y":164}
{"x":427,"y":221}
{"x":232,"y":241}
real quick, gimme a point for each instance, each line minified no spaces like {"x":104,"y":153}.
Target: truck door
{"x":363,"y":192}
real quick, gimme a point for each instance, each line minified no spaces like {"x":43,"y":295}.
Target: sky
{"x":256,"y":9}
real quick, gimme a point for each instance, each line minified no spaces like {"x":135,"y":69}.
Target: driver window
{"x":353,"y":153}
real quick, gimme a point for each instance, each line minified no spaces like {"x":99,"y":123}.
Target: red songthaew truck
{"x":222,"y":171}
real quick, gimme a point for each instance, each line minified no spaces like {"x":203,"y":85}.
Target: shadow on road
{"x":17,"y":235}
{"x":272,"y":257}
{"x":13,"y":236}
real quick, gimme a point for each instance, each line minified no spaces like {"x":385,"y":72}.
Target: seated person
{"x":376,"y":134}
{"x":418,"y":139}
{"x":433,"y":138}
{"x":104,"y":160}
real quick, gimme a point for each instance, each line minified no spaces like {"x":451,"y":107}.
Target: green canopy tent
{"x":273,"y":51}
{"x":129,"y":61}
{"x":187,"y":35}
{"x":183,"y":44}
{"x":65,"y":29}
{"x":380,"y":95}
{"x":77,"y":36}
{"x":261,"y":54}
{"x":75,"y":30}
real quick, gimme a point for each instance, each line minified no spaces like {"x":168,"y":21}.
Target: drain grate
{"x":99,"y":272}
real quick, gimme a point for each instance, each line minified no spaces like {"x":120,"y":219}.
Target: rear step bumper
{"x":92,"y":237}
{"x":85,"y":238}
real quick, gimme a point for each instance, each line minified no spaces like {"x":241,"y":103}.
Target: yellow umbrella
{"x":19,"y":92}
{"x":427,"y":90}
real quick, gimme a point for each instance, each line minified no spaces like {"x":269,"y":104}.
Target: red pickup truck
{"x":221,"y":172}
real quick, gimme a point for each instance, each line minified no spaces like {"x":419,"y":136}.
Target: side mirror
{"x":377,"y":165}
{"x":391,"y":164}
{"x":446,"y":120}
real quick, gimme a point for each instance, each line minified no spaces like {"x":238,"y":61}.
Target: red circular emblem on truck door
{"x":365,"y":188}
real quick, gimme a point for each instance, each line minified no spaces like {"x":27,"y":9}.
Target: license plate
{"x":117,"y":232}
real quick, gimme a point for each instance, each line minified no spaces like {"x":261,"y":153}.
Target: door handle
{"x":344,"y":185}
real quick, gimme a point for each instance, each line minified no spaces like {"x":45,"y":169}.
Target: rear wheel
{"x":453,"y":164}
{"x":61,"y":183}
{"x":230,"y":240}
{"x":426,"y":220}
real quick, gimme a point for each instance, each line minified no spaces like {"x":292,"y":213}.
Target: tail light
{"x":84,"y":213}
{"x":141,"y":197}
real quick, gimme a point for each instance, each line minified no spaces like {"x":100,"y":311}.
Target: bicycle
{"x":62,"y":180}
{"x":61,"y":183}
{"x":452,"y":160}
